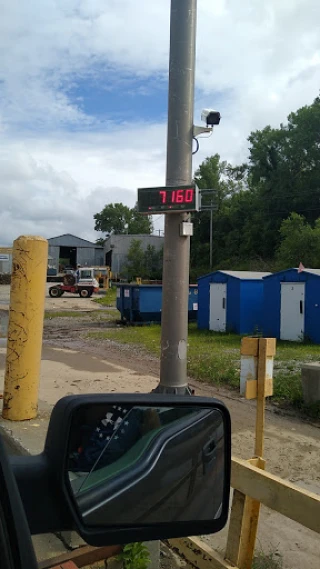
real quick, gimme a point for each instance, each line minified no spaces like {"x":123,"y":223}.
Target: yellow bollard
{"x":28,"y":283}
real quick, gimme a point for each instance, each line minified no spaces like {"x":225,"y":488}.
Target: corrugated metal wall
{"x":54,"y":253}
{"x":86,"y":256}
{"x":120,"y":245}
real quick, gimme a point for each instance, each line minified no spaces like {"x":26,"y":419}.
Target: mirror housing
{"x":172,"y":480}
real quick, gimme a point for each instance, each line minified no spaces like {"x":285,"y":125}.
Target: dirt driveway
{"x":292,"y":447}
{"x":66,"y":302}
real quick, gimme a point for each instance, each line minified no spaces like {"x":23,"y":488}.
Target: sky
{"x":83,"y":97}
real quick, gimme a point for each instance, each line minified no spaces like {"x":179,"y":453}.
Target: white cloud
{"x":52,"y":186}
{"x":256,"y":62}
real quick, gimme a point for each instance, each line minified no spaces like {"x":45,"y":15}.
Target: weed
{"x":271,"y":560}
{"x":135,"y":556}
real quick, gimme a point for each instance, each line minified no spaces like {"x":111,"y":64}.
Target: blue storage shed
{"x":292,"y":305}
{"x":143,"y":303}
{"x":231,"y":301}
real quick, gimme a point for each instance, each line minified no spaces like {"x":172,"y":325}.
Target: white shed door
{"x":292,"y":311}
{"x":218,"y":307}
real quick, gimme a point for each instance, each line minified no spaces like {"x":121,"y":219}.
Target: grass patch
{"x":215,"y":358}
{"x":64,"y":314}
{"x":108,"y":299}
{"x":147,"y":337}
{"x":271,"y":560}
{"x":211,"y":357}
{"x":94,"y":315}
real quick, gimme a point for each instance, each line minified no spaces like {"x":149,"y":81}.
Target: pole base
{"x":165,"y":389}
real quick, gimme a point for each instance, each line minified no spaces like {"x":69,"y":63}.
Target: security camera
{"x":210,"y":117}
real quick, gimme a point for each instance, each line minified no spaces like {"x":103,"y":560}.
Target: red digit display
{"x":180,"y":196}
{"x":168,"y":199}
{"x":177,"y":196}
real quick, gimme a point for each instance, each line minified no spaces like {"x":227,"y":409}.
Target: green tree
{"x":227,"y":182}
{"x":118,"y":218}
{"x":284,"y":169}
{"x":135,"y":265}
{"x":139,"y":224}
{"x":282,"y":176}
{"x":144,"y":263}
{"x":153,"y":263}
{"x":300,"y":242}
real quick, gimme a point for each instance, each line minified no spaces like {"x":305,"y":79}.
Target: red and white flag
{"x":301,"y":268}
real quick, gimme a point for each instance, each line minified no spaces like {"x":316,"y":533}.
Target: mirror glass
{"x":146,"y":465}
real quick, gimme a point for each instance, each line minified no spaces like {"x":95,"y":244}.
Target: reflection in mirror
{"x":146,"y":465}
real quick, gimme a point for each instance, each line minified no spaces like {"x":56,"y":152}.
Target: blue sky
{"x":83,"y":97}
{"x":121,"y":98}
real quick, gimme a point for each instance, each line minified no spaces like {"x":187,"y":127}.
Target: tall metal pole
{"x":176,"y":256}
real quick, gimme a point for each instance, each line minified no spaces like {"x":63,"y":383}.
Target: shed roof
{"x":312,"y":271}
{"x":315,"y":272}
{"x":244,"y":275}
{"x":251,"y":275}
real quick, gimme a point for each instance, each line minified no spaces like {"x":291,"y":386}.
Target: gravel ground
{"x":292,"y":447}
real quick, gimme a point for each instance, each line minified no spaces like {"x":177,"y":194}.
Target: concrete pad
{"x":65,"y":372}
{"x":69,"y":372}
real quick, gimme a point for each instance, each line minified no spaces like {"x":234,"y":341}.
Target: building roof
{"x":244,"y":275}
{"x":248,"y":275}
{"x":315,"y":272}
{"x":69,"y":240}
{"x":133,"y":236}
{"x":312,"y":271}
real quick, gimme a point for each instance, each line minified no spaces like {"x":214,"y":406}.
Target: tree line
{"x":267,"y":210}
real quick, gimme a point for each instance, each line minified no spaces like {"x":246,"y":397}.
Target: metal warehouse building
{"x":5,"y":263}
{"x":292,"y":305}
{"x":231,"y":301}
{"x":70,"y":250}
{"x":116,"y":248}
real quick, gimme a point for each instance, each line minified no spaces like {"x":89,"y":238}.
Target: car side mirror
{"x":141,"y":467}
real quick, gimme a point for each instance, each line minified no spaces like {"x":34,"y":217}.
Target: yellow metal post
{"x":267,"y":350}
{"x":28,"y":281}
{"x":256,"y":379}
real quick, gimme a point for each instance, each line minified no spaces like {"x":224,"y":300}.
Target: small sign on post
{"x":251,"y":363}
